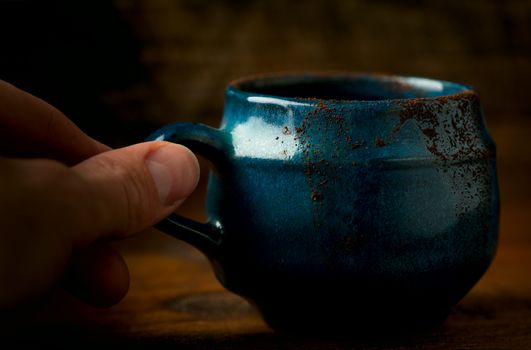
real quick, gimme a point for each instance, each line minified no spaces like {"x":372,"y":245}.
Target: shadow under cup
{"x":346,"y":202}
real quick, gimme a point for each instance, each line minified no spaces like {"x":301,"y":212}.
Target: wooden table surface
{"x":175,"y":301}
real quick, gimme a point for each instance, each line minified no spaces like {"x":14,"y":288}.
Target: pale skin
{"x":64,"y":196}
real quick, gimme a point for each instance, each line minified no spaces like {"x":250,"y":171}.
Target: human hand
{"x":63,"y":195}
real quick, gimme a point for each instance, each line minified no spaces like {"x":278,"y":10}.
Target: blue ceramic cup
{"x":346,"y":201}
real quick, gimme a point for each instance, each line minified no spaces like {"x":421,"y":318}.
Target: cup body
{"x":364,"y":198}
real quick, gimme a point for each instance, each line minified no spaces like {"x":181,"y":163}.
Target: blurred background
{"x":122,"y":68}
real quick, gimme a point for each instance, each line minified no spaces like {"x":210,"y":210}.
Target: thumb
{"x":46,"y":209}
{"x":134,"y":187}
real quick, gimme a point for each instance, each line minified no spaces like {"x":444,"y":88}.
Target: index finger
{"x":31,"y":127}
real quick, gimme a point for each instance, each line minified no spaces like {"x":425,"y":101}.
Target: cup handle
{"x":212,"y":144}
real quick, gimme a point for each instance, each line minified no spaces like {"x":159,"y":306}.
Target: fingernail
{"x":175,"y":172}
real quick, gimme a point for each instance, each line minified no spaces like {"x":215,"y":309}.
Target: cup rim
{"x":241,"y":86}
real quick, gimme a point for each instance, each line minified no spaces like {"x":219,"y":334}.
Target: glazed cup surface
{"x":347,"y":200}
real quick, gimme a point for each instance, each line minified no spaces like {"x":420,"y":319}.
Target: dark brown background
{"x":122,"y":68}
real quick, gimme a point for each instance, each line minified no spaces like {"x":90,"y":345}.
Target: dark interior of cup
{"x":350,"y":87}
